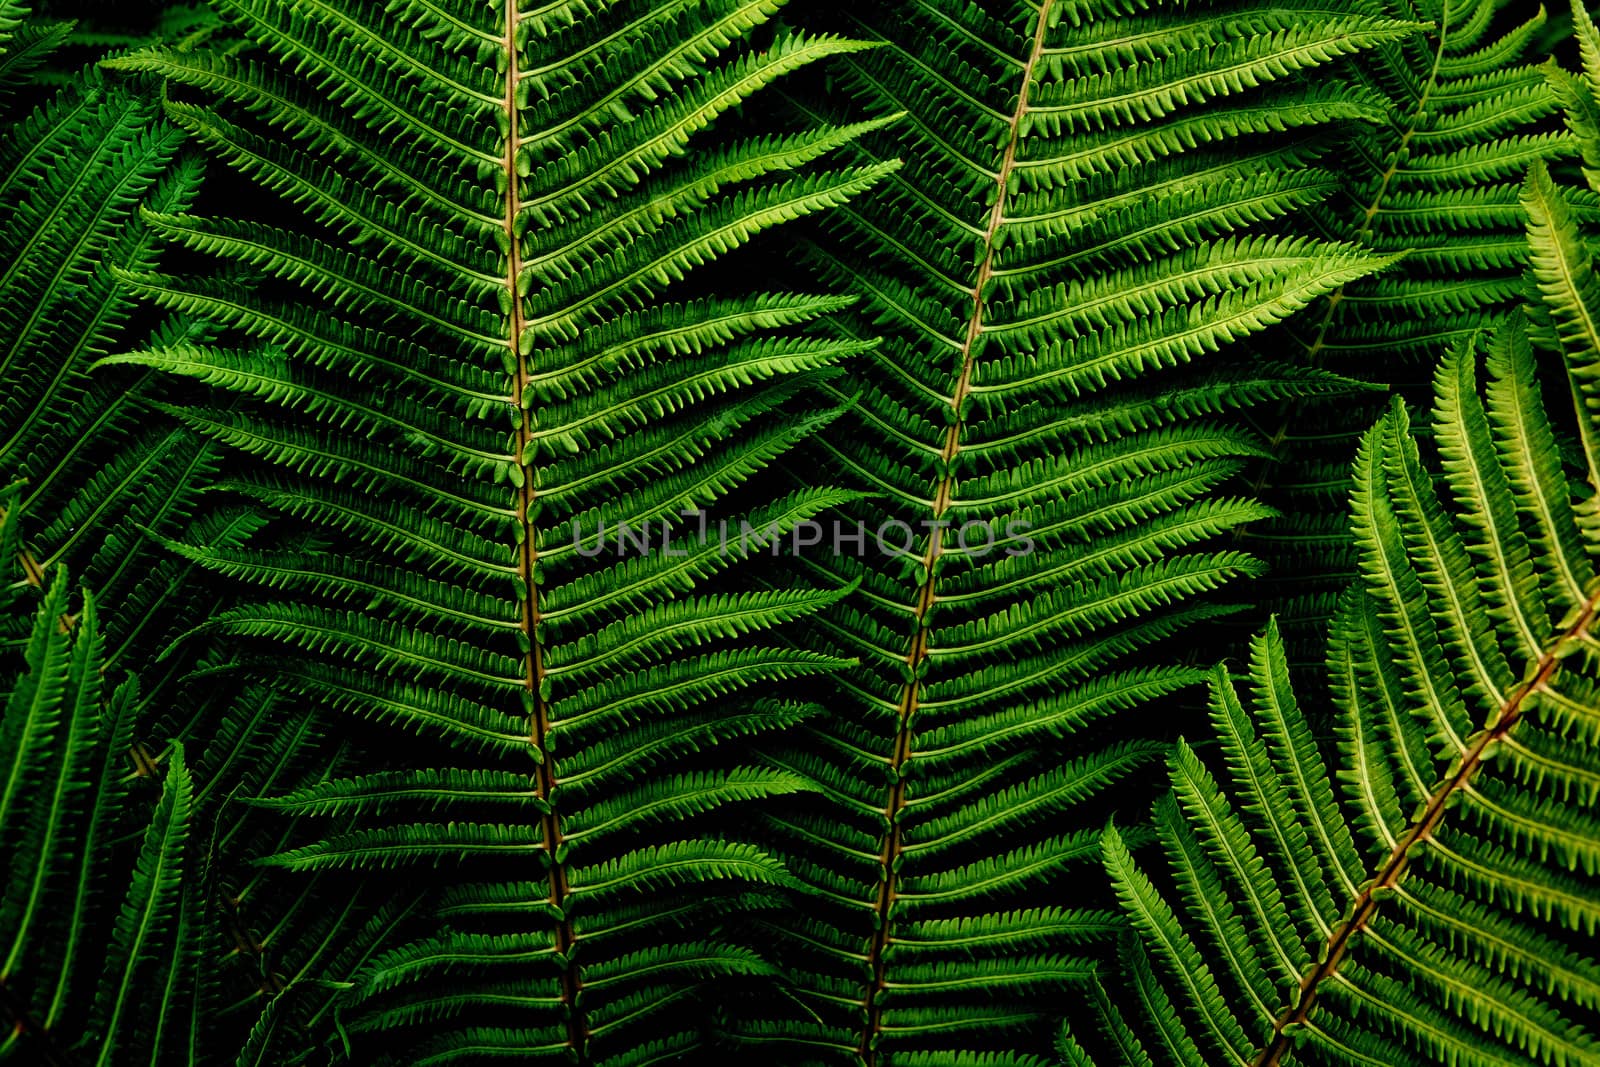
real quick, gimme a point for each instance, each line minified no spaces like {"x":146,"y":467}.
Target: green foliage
{"x":1086,"y":217}
{"x":481,"y":336}
{"x":98,"y":941}
{"x":85,"y":473}
{"x":435,"y":482}
{"x":1467,"y":108}
{"x":1426,"y":891}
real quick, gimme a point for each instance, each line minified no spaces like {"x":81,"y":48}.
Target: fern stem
{"x":528,"y":559}
{"x":1368,"y":218}
{"x":1366,"y":904}
{"x":917,"y":655}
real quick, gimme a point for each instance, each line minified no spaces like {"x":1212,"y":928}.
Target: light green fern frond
{"x":1468,"y":108}
{"x":1427,"y":891}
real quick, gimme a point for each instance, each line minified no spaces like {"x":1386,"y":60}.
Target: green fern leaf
{"x":1469,"y":111}
{"x":484,"y":358}
{"x":1092,"y":212}
{"x":1425,"y":891}
{"x":76,"y":973}
{"x":93,"y":470}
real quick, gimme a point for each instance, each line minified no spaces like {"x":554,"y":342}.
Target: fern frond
{"x":1093,"y":210}
{"x":1424,"y":891}
{"x":96,"y":470}
{"x":80,"y":971}
{"x":1470,"y":109}
{"x":487,"y":358}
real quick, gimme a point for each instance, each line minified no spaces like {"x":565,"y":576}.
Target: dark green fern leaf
{"x":26,"y":44}
{"x":1090,"y":213}
{"x":1467,"y":111}
{"x":91,"y":471}
{"x":286,"y":945}
{"x":99,"y":946}
{"x":474,"y":347}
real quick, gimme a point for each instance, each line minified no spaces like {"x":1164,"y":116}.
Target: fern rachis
{"x":528,"y":556}
{"x":916,"y":654}
{"x":1367,"y":902}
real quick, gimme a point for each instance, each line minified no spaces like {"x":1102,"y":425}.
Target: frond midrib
{"x":1370,"y":215}
{"x":1506,"y":717}
{"x":917,"y":654}
{"x":545,"y":781}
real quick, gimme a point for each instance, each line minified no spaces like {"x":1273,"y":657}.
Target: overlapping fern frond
{"x":97,"y":941}
{"x":1428,"y":891}
{"x":91,"y":474}
{"x":86,"y":474}
{"x":1091,"y":209}
{"x":1467,"y":109}
{"x":26,"y":44}
{"x":504,"y":745}
{"x":276,"y":949}
{"x":477,"y":350}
